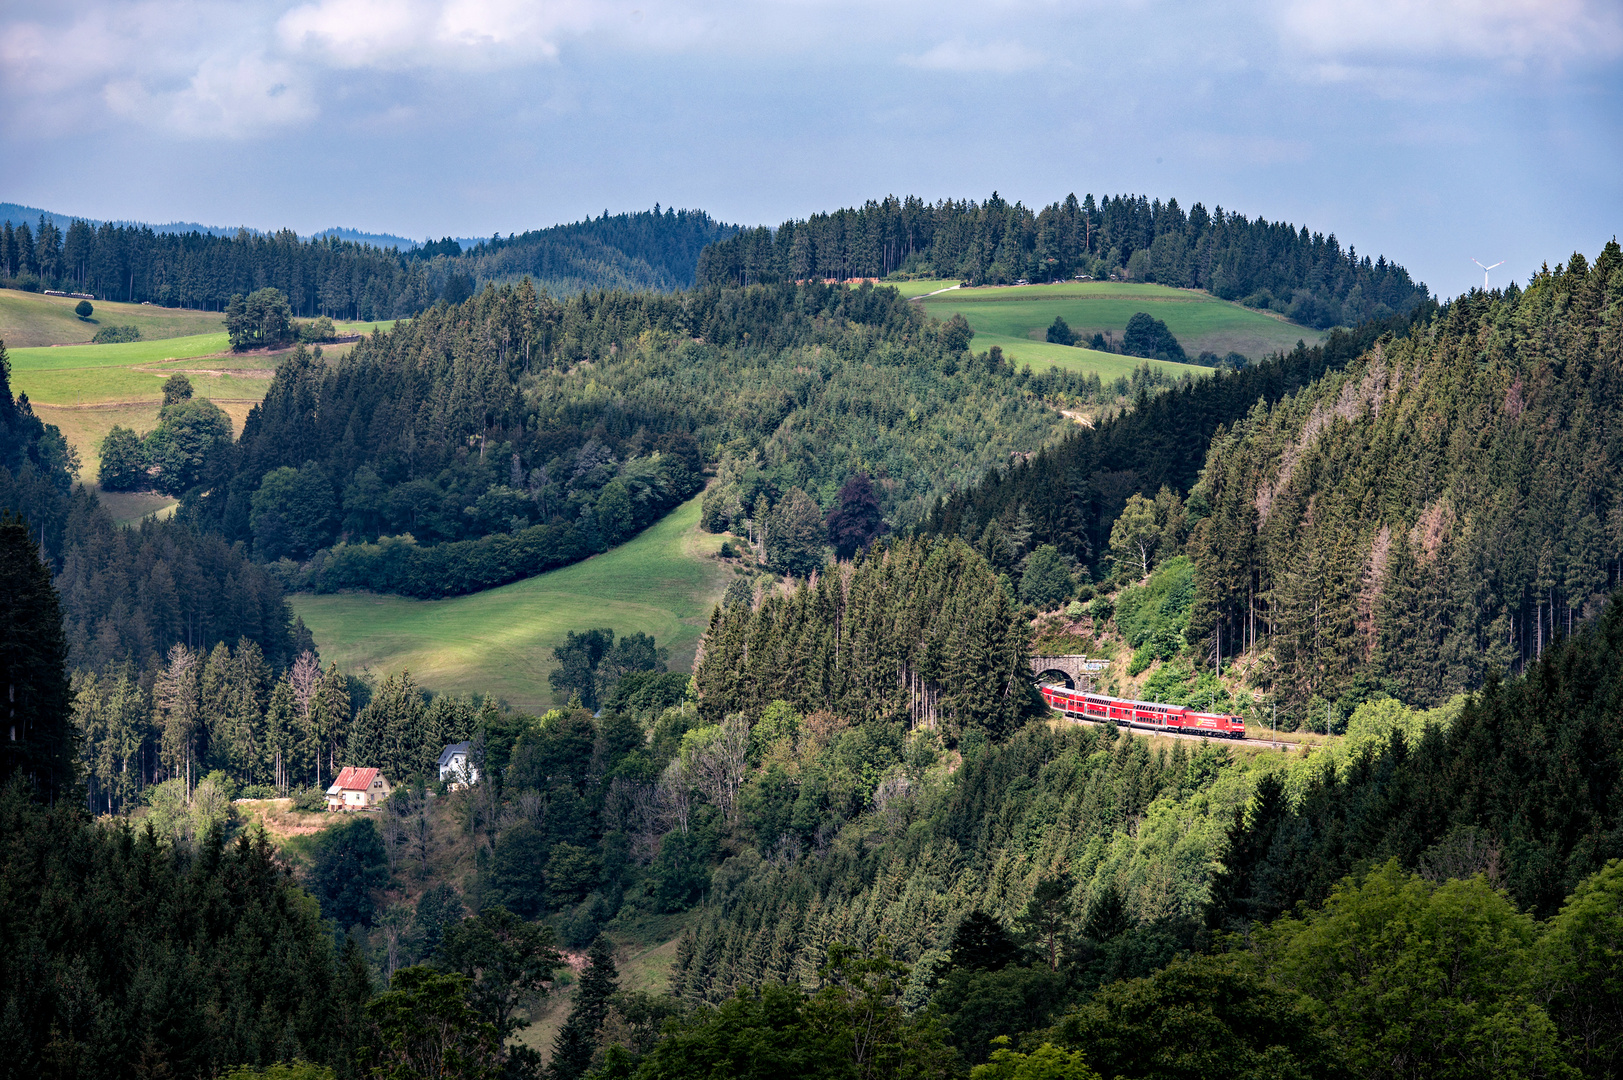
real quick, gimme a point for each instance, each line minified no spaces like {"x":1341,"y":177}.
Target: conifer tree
{"x":572,"y":1050}
{"x":38,"y":737}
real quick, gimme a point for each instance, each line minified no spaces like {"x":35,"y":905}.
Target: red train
{"x":1143,"y":714}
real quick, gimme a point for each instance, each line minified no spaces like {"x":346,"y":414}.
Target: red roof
{"x":353,"y":779}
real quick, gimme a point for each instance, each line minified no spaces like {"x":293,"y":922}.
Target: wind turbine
{"x":1485,"y":270}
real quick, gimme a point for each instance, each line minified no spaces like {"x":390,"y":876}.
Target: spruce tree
{"x":38,"y":738}
{"x":577,"y":1041}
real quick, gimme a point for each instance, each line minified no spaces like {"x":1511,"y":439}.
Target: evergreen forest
{"x":852,"y":842}
{"x":1270,"y":265}
{"x":515,"y":432}
{"x":346,"y":279}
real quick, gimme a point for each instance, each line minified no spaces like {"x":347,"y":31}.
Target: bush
{"x":310,"y":799}
{"x":83,"y":309}
{"x":315,"y":330}
{"x":116,"y":335}
{"x":297,"y":1070}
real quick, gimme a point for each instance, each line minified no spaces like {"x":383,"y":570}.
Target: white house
{"x":357,"y":789}
{"x":456,"y":766}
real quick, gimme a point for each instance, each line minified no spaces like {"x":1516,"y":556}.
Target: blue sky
{"x":1433,"y":131}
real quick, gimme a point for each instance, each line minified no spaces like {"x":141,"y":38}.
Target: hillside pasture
{"x":131,"y":507}
{"x":922,"y":287}
{"x":29,"y":319}
{"x":1017,"y":319}
{"x":86,"y":389}
{"x":663,"y":582}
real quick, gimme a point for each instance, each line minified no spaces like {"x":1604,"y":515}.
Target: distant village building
{"x":456,"y":766}
{"x":357,"y":789}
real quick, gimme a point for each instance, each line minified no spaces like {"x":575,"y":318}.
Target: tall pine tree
{"x":38,"y":738}
{"x":572,"y":1050}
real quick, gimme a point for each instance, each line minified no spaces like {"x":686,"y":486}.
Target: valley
{"x":727,"y":582}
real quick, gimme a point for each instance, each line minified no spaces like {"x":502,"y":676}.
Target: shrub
{"x":116,"y":335}
{"x":310,"y":799}
{"x":320,"y":329}
{"x":83,"y":309}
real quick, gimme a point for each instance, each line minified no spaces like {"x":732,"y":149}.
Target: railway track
{"x":1272,"y":744}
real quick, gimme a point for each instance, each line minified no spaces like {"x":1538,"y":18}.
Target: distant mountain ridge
{"x":342,"y":273}
{"x":18,"y":214}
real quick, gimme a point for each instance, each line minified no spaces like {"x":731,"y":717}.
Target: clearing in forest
{"x":663,"y":582}
{"x":1017,"y":318}
{"x":85,"y":389}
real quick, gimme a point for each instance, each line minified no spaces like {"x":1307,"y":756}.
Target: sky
{"x":1432,"y":131}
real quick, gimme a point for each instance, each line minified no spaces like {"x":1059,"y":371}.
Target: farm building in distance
{"x":357,"y":789}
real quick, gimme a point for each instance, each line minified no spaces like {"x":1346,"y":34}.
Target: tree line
{"x":1263,"y":264}
{"x":264,"y":730}
{"x":343,"y":279}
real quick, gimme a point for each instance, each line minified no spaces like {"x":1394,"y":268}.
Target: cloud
{"x":430,"y":33}
{"x":1514,"y":31}
{"x":993,"y":56}
{"x":225,"y":97}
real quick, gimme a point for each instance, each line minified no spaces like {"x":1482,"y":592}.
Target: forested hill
{"x":1447,"y":504}
{"x":655,"y":250}
{"x":1308,"y":276}
{"x":343,"y":279}
{"x":540,"y":430}
{"x":1069,"y":494}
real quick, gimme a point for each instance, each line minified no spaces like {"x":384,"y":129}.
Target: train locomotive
{"x":1149,"y":715}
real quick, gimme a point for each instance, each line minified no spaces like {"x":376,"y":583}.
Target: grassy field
{"x":28,"y":319}
{"x":86,"y":389}
{"x":664,"y":582}
{"x":1017,"y":319}
{"x":129,"y":507}
{"x":911,"y":289}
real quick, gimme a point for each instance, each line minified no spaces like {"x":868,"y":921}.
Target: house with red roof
{"x":358,"y":789}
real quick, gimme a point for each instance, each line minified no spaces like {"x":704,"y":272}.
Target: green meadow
{"x":85,"y":389}
{"x":1017,"y":319}
{"x":28,"y":319}
{"x":663,"y":582}
{"x":923,"y":287}
{"x":125,"y":354}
